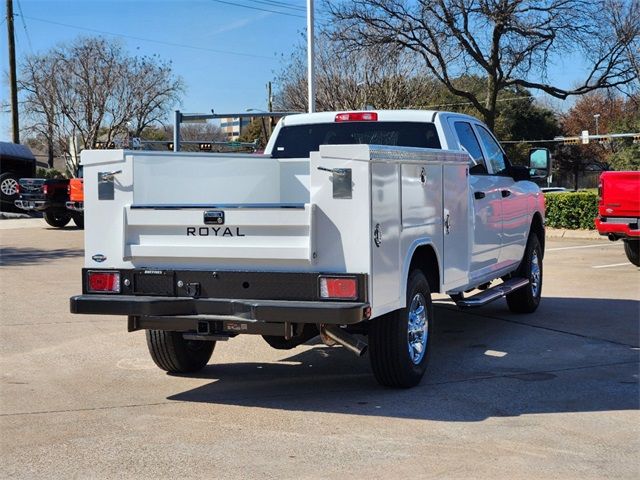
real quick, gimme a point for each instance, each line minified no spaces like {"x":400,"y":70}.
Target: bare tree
{"x":91,"y":90}
{"x":380,"y":76}
{"x":511,"y":43}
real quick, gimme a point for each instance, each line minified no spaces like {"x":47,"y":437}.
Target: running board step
{"x":493,"y":293}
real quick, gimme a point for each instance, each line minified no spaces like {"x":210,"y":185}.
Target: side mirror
{"x":539,"y":163}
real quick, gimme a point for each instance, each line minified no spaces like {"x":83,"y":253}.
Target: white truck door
{"x":486,"y":203}
{"x":514,"y":201}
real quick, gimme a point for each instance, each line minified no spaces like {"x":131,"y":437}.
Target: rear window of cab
{"x":296,"y":141}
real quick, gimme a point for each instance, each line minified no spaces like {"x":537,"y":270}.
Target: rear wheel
{"x":632,"y":249}
{"x":172,"y":353}
{"x":399,"y":342}
{"x":527,"y":299}
{"x":57,"y":219}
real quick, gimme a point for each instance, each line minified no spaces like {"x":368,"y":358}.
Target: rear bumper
{"x":75,"y":206}
{"x":618,"y":227}
{"x":191,"y":310}
{"x":31,"y":204}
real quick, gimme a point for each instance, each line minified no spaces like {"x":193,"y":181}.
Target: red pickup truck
{"x":619,"y":210}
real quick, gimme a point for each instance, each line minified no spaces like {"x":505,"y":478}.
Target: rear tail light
{"x":345,"y":288}
{"x":17,"y":188}
{"x":45,"y":189}
{"x":104,"y":282}
{"x":69,"y":189}
{"x":600,"y":192}
{"x":357,"y":117}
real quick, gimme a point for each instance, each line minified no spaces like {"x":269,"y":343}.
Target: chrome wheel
{"x":535,"y":276}
{"x":9,"y":187}
{"x":417,"y":329}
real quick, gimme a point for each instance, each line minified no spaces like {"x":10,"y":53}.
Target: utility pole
{"x":270,"y":107}
{"x":13,"y":86}
{"x":310,"y":58}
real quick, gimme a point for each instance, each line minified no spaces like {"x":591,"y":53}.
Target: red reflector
{"x":338,"y":287}
{"x":103,"y":282}
{"x":357,"y":117}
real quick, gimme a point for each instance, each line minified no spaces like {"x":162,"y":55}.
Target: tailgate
{"x":621,"y":194}
{"x":211,"y":233}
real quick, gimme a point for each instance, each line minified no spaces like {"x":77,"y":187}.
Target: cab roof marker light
{"x":357,"y":117}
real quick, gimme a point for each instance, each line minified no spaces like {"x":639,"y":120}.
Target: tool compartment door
{"x":456,"y":225}
{"x":385,"y":237}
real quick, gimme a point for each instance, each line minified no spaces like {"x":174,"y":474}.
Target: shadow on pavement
{"x":12,"y":256}
{"x":491,"y":365}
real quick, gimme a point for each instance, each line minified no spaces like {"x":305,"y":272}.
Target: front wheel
{"x":527,"y":299}
{"x":57,"y":219}
{"x":399,"y":342}
{"x":172,"y":353}
{"x":8,"y":187}
{"x":632,"y":249}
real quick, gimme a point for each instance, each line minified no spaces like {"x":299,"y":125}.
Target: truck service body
{"x":343,"y":227}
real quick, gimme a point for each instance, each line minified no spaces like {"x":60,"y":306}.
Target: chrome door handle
{"x":108,"y":176}
{"x":505,"y":193}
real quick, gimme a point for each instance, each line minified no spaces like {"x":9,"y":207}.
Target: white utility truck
{"x":343,"y":228}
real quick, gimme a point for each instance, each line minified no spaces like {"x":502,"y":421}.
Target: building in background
{"x":233,"y":127}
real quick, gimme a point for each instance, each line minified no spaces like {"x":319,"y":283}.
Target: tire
{"x":527,"y":299}
{"x":57,"y":219}
{"x":8,"y":187}
{"x":172,"y":353}
{"x":398,"y":357}
{"x":78,"y":220}
{"x":632,"y":249}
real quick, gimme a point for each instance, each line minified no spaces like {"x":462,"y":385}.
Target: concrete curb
{"x":12,"y":215}
{"x":579,"y":234}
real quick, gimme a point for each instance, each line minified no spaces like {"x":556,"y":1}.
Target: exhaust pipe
{"x":348,"y":341}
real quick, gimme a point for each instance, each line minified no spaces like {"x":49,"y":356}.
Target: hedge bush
{"x":571,"y":210}
{"x":49,"y":173}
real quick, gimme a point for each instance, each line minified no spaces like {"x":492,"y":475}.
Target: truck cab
{"x":343,"y":229}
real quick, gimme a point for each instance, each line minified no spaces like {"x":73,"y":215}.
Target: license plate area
{"x":154,"y":282}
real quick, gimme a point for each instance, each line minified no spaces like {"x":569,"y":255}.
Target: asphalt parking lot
{"x":554,"y":394}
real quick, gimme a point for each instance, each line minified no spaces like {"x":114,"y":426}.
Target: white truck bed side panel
{"x":104,"y":219}
{"x":342,"y":225}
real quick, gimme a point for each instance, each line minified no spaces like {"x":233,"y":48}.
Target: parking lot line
{"x":579,"y":246}
{"x":611,"y":265}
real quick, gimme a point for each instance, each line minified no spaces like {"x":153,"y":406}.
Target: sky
{"x":226,"y":51}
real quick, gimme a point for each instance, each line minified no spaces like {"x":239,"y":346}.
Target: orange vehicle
{"x":76,"y":198}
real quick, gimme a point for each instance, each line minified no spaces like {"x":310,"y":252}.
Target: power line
{"x":24,"y":25}
{"x":161,"y":42}
{"x":258,"y":8}
{"x":274,"y":3}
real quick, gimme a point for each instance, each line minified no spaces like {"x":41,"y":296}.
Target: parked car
{"x":619,"y":210}
{"x":50,"y":197}
{"x":16,"y":161}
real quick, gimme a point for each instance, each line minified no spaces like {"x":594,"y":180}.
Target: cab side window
{"x":494,"y":152}
{"x":470,"y":143}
